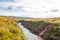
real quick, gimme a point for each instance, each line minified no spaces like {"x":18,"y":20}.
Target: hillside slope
{"x":9,"y":29}
{"x":35,"y":26}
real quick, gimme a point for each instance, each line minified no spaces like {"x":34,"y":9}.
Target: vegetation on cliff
{"x":36,"y":26}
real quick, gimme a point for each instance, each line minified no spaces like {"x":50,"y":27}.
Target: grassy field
{"x":9,"y":29}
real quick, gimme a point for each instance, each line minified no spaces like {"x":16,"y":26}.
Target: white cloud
{"x":34,"y":8}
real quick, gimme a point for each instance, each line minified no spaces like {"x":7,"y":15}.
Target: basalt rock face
{"x":9,"y":29}
{"x":37,"y":27}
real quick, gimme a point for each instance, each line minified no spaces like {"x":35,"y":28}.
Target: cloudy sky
{"x":30,"y":8}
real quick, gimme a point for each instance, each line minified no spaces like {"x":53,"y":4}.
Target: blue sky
{"x":30,"y":8}
{"x":7,"y":0}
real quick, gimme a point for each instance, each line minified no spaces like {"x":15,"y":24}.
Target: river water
{"x":28,"y":34}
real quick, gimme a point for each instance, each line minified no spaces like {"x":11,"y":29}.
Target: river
{"x":28,"y":34}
